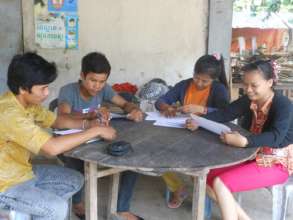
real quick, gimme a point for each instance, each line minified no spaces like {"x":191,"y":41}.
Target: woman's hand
{"x":234,"y":138}
{"x":169,"y":112}
{"x":194,"y":109}
{"x":135,"y":115}
{"x":266,"y":160}
{"x":191,"y":125}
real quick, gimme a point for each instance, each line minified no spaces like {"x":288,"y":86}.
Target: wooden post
{"x":91,"y":191}
{"x":199,"y":194}
{"x":113,"y":195}
{"x":220,"y":30}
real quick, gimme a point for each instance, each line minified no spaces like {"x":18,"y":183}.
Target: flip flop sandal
{"x":174,"y":205}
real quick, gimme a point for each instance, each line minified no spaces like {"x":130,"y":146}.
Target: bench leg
{"x":91,"y":191}
{"x":199,"y":194}
{"x":113,"y":195}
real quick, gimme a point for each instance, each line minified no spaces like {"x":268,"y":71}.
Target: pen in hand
{"x":103,"y":116}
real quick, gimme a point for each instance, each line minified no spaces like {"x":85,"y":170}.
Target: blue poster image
{"x":62,"y":5}
{"x":71,"y":31}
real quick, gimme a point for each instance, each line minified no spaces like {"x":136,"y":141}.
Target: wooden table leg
{"x":91,"y":191}
{"x":113,"y":195}
{"x":199,"y":194}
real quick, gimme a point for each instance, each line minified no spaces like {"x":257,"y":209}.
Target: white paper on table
{"x":115,"y":115}
{"x":170,"y":125}
{"x":212,"y":126}
{"x":67,"y":131}
{"x":73,"y":131}
{"x":160,"y":120}
{"x":153,"y":116}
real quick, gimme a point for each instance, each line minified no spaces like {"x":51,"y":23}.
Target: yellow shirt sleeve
{"x":20,"y":128}
{"x":42,"y":116}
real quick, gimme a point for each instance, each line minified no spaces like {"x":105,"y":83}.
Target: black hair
{"x":95,"y":62}
{"x":29,"y":69}
{"x":263,"y":66}
{"x":209,"y":64}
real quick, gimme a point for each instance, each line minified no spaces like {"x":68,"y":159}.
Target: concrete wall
{"x":142,"y":38}
{"x":10,"y":36}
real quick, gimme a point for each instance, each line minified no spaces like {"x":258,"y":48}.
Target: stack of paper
{"x":212,"y":126}
{"x":179,"y":122}
{"x":116,"y":115}
{"x":153,"y":116}
{"x":72,"y":131}
{"x":160,"y":120}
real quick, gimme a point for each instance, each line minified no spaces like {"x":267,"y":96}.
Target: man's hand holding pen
{"x":103,"y":116}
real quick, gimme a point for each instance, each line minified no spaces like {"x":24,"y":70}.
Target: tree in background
{"x":277,"y":7}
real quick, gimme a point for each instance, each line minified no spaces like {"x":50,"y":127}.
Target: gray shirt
{"x":70,"y":94}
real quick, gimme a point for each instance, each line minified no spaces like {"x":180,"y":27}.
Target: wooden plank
{"x":113,"y":195}
{"x":199,"y":194}
{"x":109,"y":171}
{"x":91,"y":191}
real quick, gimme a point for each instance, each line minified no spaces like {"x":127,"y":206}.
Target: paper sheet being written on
{"x":212,"y":126}
{"x":117,"y":116}
{"x":171,"y":122}
{"x":72,"y":131}
{"x":160,"y":120}
{"x":67,"y":131}
{"x":153,"y":116}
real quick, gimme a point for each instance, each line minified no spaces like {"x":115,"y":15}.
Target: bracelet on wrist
{"x":84,"y":121}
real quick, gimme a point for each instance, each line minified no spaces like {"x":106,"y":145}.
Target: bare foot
{"x":177,"y":198}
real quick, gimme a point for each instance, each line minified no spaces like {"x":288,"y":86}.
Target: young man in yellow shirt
{"x":40,"y":190}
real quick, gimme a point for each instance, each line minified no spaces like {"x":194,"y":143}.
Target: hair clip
{"x":217,"y":56}
{"x":276,"y":70}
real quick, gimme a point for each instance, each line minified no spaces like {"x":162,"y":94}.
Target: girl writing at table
{"x":205,"y":92}
{"x":268,"y":115}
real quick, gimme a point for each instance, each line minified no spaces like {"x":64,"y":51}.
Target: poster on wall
{"x":56,"y":23}
{"x":62,"y":5}
{"x":71,"y":31}
{"x":50,"y":32}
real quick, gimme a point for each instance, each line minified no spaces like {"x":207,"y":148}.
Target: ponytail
{"x":222,"y":77}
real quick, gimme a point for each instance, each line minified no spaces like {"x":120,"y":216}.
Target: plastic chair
{"x":13,"y":215}
{"x":281,"y":194}
{"x":8,"y":214}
